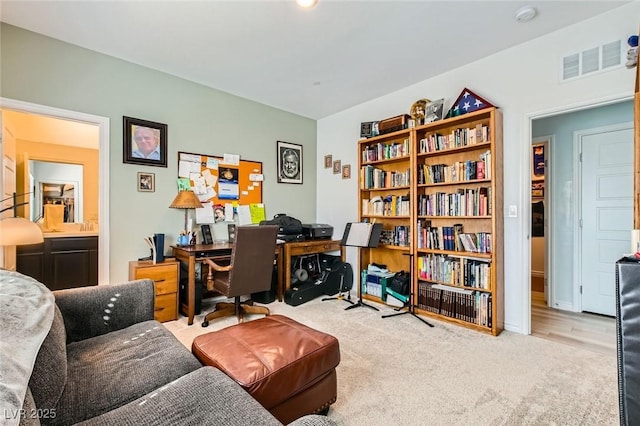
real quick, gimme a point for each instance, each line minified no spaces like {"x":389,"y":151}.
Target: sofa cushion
{"x":111,"y":370}
{"x":204,"y":397}
{"x":50,"y":370}
{"x":26,"y":314}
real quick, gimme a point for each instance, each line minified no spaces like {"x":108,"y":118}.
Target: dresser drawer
{"x":166,"y":307}
{"x":164,"y":276}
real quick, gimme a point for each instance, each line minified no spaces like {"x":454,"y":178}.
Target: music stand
{"x":361,"y":235}
{"x":411,"y":306}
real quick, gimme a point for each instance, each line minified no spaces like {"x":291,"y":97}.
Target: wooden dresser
{"x":165,"y":277}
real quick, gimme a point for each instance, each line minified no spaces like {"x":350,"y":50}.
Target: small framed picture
{"x":337,"y":167}
{"x":144,"y":142}
{"x":346,"y":171}
{"x":146,"y":182}
{"x":328,"y":159}
{"x":289,"y":162}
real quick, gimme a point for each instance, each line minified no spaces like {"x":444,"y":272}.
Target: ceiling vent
{"x":590,"y":61}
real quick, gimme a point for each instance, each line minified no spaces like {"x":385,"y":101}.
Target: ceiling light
{"x":526,"y":13}
{"x":306,"y":3}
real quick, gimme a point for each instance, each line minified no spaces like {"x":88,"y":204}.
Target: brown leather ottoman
{"x":286,"y":366}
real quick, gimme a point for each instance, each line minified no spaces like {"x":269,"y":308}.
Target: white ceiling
{"x":313,"y":62}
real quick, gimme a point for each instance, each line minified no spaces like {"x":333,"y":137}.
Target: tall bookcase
{"x":439,"y":197}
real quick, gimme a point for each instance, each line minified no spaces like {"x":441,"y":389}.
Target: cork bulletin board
{"x":214,"y":180}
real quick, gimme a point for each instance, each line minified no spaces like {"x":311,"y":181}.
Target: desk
{"x":196,"y":254}
{"x":304,"y":247}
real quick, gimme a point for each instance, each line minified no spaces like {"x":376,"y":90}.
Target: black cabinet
{"x":65,"y":262}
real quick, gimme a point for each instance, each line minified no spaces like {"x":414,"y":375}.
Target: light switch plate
{"x":513,"y":210}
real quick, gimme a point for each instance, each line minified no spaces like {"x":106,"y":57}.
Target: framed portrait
{"x":328,"y":159}
{"x":346,"y":171}
{"x":337,"y":167}
{"x":144,"y":142}
{"x":146,"y":182}
{"x":289,"y":162}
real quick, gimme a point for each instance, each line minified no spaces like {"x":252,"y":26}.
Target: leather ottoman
{"x":286,"y":366}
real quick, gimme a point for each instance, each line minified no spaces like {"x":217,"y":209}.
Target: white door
{"x":606,"y":211}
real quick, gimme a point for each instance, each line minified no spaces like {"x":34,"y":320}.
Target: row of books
{"x":389,"y":205}
{"x":466,"y":305}
{"x":456,"y":271}
{"x":373,"y":177}
{"x":385,"y":151}
{"x":460,"y":171}
{"x":452,"y":238}
{"x":463,"y":202}
{"x":398,"y":236}
{"x":457,"y":138}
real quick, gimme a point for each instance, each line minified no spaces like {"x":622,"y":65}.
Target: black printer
{"x":317,"y":230}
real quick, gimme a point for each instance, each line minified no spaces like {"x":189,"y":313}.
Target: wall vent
{"x":590,"y":61}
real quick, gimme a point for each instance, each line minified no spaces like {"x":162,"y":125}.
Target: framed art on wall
{"x":289,"y":162}
{"x":144,"y":142}
{"x":337,"y":167}
{"x":146,"y":182}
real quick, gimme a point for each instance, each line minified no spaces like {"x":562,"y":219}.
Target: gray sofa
{"x":95,"y":356}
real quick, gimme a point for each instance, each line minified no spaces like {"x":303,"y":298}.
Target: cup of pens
{"x":183,"y":239}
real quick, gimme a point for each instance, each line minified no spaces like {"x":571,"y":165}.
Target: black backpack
{"x":288,"y":225}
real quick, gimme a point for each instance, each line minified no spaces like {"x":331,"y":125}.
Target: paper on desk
{"x":244,"y":215}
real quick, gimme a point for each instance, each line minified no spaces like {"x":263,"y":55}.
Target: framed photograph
{"x":289,"y":162}
{"x":537,"y":167}
{"x":346,"y":171}
{"x":537,"y":188}
{"x":434,"y":111}
{"x":337,"y":167}
{"x":328,"y":159}
{"x":145,"y":142}
{"x":146,"y":182}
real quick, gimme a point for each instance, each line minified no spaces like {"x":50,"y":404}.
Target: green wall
{"x":49,"y":72}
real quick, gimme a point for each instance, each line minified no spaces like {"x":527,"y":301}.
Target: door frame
{"x":549,"y":146}
{"x":577,"y":202}
{"x":103,"y":167}
{"x":525,"y":192}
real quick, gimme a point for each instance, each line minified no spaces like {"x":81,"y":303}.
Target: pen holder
{"x":183,"y":240}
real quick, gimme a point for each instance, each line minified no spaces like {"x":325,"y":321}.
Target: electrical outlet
{"x":513,"y":210}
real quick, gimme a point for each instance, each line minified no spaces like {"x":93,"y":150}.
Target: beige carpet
{"x":398,"y":371}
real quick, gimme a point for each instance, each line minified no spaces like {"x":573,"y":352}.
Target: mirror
{"x":56,"y":183}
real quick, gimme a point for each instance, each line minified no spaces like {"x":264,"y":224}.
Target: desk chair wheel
{"x":205,"y":323}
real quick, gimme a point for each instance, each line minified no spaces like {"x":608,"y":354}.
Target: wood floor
{"x":588,"y":331}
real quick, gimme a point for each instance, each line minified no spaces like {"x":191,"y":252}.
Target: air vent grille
{"x":590,"y":61}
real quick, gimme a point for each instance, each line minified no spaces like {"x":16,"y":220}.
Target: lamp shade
{"x":186,"y":200}
{"x":17,"y":231}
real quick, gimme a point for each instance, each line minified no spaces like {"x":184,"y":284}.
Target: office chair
{"x":250,"y":271}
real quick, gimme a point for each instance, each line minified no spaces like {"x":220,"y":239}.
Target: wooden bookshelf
{"x":444,"y":189}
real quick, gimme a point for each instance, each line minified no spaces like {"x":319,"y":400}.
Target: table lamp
{"x":17,"y":231}
{"x":186,"y":200}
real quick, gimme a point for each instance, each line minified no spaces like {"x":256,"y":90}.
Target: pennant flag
{"x":467,"y":102}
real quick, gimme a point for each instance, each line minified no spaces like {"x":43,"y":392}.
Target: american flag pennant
{"x":468,"y":102}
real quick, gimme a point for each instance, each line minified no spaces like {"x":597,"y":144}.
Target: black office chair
{"x":250,"y":271}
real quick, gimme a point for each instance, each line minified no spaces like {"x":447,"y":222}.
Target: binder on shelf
{"x":362,"y":234}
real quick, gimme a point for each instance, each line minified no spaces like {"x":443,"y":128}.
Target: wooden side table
{"x":165,"y":278}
